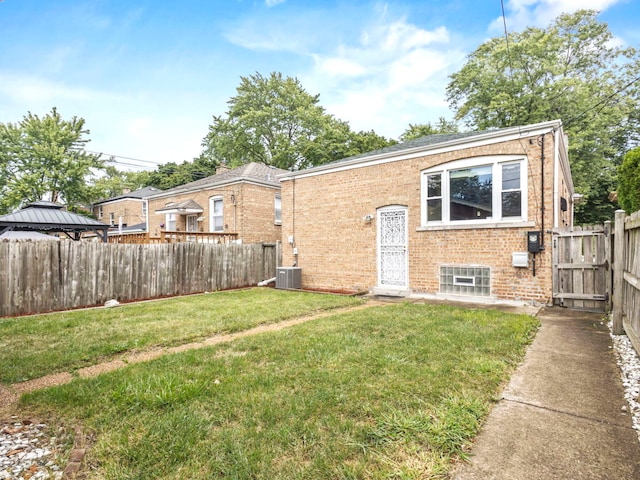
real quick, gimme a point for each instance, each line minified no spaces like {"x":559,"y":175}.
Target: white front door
{"x":392,"y":250}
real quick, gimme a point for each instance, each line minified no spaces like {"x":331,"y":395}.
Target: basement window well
{"x":465,"y":280}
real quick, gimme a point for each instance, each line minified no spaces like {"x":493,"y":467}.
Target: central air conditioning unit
{"x":289,"y":277}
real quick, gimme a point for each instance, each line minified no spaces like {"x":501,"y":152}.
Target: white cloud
{"x":33,"y":90}
{"x":540,"y":13}
{"x":394,"y":74}
{"x":272,"y":3}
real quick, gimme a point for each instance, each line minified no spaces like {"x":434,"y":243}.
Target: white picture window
{"x":216,"y":214}
{"x":278,"y":210}
{"x":482,"y":190}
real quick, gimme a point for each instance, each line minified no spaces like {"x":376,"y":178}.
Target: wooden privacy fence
{"x":626,"y":277}
{"x":39,"y":277}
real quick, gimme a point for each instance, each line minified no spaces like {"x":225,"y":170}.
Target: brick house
{"x":129,"y":209}
{"x":444,"y":215}
{"x":244,"y":202}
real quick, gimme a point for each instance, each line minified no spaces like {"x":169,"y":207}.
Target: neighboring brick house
{"x":129,"y":209}
{"x":244,"y":201}
{"x":442,"y":215}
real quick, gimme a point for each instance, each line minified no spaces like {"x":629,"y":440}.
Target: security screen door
{"x":392,"y":247}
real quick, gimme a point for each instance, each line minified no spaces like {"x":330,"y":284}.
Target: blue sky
{"x":147,"y":76}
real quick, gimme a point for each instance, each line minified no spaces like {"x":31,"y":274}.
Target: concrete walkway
{"x":561,"y":415}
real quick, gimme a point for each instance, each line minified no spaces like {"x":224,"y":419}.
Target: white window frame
{"x":496,"y":162}
{"x":277,"y":205}
{"x":144,"y":209}
{"x":212,"y":216}
{"x":170,"y":222}
{"x":100,"y":212}
{"x":112,"y":219}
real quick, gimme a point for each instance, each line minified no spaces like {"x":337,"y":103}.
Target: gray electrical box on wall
{"x":289,"y":277}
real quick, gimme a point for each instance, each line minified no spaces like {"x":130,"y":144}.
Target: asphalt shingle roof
{"x":251,"y":172}
{"x":138,"y":194}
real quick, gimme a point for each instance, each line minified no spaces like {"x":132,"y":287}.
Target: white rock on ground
{"x":629,"y":364}
{"x":27,"y":452}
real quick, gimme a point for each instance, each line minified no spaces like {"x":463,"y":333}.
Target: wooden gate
{"x":581,"y":268}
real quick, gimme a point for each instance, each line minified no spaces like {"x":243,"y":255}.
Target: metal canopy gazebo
{"x":43,"y":216}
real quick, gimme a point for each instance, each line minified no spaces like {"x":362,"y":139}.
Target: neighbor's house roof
{"x":136,"y":195}
{"x":433,"y":144}
{"x":256,"y":173}
{"x":186,"y":207}
{"x":43,"y":216}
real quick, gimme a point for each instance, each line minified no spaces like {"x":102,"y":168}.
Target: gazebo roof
{"x":43,"y":216}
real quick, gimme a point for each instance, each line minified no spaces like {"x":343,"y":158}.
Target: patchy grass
{"x":386,"y":392}
{"x":35,"y":346}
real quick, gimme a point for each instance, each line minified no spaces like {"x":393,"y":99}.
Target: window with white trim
{"x":216,"y":214}
{"x":100,"y":212}
{"x":112,"y":219}
{"x":278,"y":209}
{"x":144,"y":209}
{"x":170,"y":222}
{"x":480,"y":190}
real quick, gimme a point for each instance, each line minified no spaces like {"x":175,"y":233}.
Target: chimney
{"x":223,"y":167}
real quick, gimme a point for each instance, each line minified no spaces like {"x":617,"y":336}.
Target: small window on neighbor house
{"x":112,"y":219}
{"x":100,"y":212}
{"x":216,"y":212}
{"x":144,"y":208}
{"x":278,"y":210}
{"x":170,"y":222}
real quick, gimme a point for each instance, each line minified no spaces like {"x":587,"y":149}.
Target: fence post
{"x":608,"y":265}
{"x":618,"y":273}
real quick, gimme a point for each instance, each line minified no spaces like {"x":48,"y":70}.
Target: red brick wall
{"x":337,"y":249}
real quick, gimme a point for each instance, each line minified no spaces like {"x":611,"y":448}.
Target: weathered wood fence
{"x":626,"y":277}
{"x":39,"y":277}
{"x":582,"y":267}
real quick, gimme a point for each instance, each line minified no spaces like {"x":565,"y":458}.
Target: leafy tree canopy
{"x":113,"y":182}
{"x":43,"y":158}
{"x":629,"y":185}
{"x":573,"y":70}
{"x":423,"y":129}
{"x":275,"y":121}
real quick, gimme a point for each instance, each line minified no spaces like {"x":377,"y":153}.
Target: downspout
{"x":542,"y":194}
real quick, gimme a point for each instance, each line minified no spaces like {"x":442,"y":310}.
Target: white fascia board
{"x":211,"y":186}
{"x":444,"y":147}
{"x":126,"y":199}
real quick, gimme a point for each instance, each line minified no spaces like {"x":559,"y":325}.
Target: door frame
{"x":399,"y":290}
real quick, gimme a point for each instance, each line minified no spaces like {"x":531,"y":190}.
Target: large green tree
{"x":275,"y":121}
{"x":573,"y":70}
{"x":43,"y":158}
{"x":418,"y":130}
{"x":629,"y":185}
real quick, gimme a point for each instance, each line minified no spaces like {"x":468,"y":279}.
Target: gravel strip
{"x":629,"y":364}
{"x":27,"y":451}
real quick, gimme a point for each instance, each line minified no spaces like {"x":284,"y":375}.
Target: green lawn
{"x":35,"y":346}
{"x":385,"y":392}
